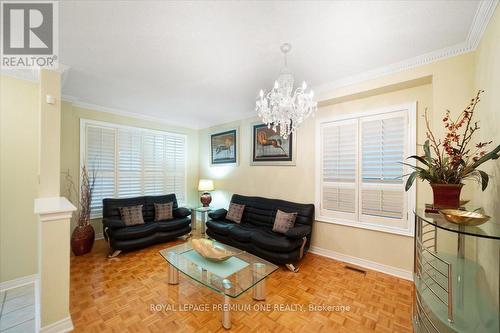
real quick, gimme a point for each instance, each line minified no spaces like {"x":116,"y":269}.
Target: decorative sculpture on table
{"x":210,"y":250}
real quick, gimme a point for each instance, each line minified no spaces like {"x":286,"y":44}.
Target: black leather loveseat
{"x":121,"y":237}
{"x":254,"y":233}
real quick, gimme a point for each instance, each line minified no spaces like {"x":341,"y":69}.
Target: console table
{"x":455,"y":288}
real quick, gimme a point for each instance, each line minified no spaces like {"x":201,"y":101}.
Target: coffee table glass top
{"x":231,"y":277}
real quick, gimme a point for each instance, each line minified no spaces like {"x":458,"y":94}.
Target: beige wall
{"x":19,"y":137}
{"x":487,"y":78}
{"x":451,"y":88}
{"x":70,"y":148}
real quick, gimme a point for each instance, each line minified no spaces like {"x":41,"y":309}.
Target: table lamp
{"x":206,"y":185}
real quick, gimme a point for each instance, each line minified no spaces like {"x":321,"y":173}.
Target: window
{"x":131,"y":161}
{"x":360,"y":176}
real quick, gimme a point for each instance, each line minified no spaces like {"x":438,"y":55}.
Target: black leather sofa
{"x":121,"y":237}
{"x":254,"y":234}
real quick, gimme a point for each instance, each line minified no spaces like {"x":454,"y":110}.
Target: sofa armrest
{"x":181,"y":212}
{"x":218,"y":214}
{"x":298,"y":231}
{"x":113,"y":223}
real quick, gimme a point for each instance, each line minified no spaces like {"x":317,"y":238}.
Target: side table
{"x":203,"y":211}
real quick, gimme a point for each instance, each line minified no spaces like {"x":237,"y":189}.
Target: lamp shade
{"x":206,"y":185}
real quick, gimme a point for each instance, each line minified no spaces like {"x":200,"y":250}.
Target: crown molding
{"x":75,"y":101}
{"x":481,"y":19}
{"x":483,"y":14}
{"x":401,"y":66}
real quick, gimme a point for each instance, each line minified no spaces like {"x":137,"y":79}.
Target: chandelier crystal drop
{"x":282,"y":108}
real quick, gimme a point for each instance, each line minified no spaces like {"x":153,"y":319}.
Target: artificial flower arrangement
{"x":453,"y":159}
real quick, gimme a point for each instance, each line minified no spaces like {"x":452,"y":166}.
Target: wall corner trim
{"x":19,"y":282}
{"x":61,"y":326}
{"x":391,"y":270}
{"x":53,"y":208}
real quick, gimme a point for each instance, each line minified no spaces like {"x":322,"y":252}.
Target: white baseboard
{"x":24,"y":280}
{"x":99,"y":235}
{"x":398,"y":272}
{"x":61,"y":326}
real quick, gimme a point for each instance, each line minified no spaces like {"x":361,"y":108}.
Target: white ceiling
{"x":203,"y":63}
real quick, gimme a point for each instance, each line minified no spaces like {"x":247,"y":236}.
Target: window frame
{"x":83,"y":138}
{"x":410,"y":202}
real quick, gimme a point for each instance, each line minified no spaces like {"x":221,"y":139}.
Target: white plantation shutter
{"x":176,"y":166}
{"x":154,"y":164}
{"x":100,"y":153}
{"x":133,"y":162}
{"x":129,"y":163}
{"x":338,"y":169}
{"x":383,"y":142}
{"x":360,"y":172}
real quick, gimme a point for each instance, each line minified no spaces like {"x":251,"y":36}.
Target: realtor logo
{"x":29,"y":34}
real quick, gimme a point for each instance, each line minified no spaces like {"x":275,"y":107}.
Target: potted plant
{"x":452,"y":159}
{"x":82,"y":238}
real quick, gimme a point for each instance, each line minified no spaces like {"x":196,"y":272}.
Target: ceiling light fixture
{"x":283,"y":109}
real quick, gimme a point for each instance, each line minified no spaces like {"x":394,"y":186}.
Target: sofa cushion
{"x":181,"y":212}
{"x":136,"y":231}
{"x":284,"y":221}
{"x":132,"y":215}
{"x":173,"y":224}
{"x":241,"y":233}
{"x":164,"y":211}
{"x":270,"y":240}
{"x":220,"y":227}
{"x":218,"y":214}
{"x":235,"y":212}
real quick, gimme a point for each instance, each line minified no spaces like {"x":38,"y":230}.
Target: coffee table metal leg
{"x":173,"y":275}
{"x":226,"y":313}
{"x":259,"y":290}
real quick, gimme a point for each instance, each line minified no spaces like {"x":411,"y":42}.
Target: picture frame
{"x":224,"y":149}
{"x":269,"y":148}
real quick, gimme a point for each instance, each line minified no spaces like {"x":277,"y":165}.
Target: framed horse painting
{"x":269,"y":148}
{"x":224,"y":147}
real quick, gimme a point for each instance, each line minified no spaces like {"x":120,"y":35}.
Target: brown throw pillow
{"x":132,"y":215}
{"x":284,"y":221}
{"x":164,"y":211}
{"x":235,"y":212}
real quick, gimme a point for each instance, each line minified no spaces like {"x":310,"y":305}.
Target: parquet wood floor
{"x":117,"y":295}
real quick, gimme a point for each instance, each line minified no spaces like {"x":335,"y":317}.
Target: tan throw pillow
{"x":235,"y":212}
{"x":164,"y":211}
{"x":284,"y":221}
{"x":132,"y":215}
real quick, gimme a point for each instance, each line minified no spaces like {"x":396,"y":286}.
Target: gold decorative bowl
{"x":464,"y":217}
{"x":210,"y":250}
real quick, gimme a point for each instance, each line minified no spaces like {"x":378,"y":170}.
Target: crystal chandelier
{"x":282,"y":108}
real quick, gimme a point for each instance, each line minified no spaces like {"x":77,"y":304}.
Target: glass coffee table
{"x":231,"y":278}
